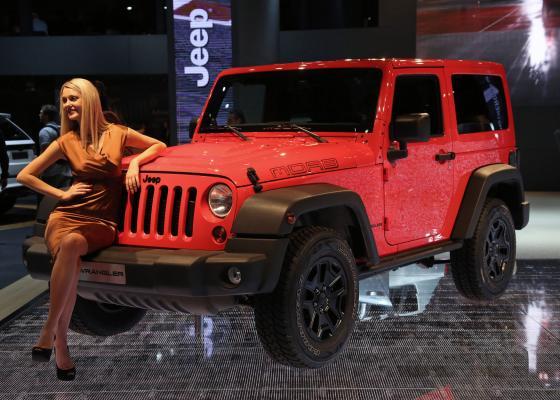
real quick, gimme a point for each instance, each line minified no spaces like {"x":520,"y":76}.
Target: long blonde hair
{"x":92,"y":122}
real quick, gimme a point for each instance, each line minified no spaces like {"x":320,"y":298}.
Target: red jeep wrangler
{"x":303,"y":178}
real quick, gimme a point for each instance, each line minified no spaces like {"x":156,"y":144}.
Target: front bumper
{"x":157,"y":273}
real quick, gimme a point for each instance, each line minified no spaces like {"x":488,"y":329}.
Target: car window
{"x":10,"y":131}
{"x":419,"y":94}
{"x":480,"y":103}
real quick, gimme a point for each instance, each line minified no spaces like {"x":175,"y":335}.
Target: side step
{"x":408,"y":257}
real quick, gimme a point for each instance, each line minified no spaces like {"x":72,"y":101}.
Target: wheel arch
{"x":500,"y":181}
{"x":265,"y":214}
{"x":46,"y":206}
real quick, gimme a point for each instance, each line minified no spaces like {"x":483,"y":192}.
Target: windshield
{"x":10,"y":131}
{"x":329,"y":100}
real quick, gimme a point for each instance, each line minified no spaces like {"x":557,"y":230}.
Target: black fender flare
{"x":501,"y":180}
{"x":47,"y":205}
{"x":265,"y":214}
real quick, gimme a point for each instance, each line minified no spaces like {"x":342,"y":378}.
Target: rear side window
{"x":9,"y":131}
{"x":480,"y":103}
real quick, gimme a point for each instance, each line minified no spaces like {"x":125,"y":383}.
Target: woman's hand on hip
{"x":77,"y":189}
{"x":132,"y":180}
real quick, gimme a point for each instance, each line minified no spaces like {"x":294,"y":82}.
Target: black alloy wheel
{"x":324,"y":299}
{"x":497,"y":250}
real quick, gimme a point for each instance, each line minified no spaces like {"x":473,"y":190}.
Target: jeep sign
{"x":202,"y":48}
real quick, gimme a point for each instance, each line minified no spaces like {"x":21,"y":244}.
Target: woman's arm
{"x":29,"y":176}
{"x":152,"y":148}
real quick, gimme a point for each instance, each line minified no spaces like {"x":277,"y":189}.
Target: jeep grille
{"x":158,"y":210}
{"x":170,"y":211}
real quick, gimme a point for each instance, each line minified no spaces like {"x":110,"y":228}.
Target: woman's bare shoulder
{"x":118,"y":128}
{"x":66,"y":136}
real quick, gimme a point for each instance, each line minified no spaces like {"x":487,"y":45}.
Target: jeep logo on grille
{"x":151,"y":179}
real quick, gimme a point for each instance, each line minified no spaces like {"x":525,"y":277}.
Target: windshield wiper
{"x":290,"y":125}
{"x":236,"y":131}
{"x":312,"y":134}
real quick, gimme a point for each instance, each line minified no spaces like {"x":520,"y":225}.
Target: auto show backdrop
{"x":201,"y":48}
{"x":522,"y":35}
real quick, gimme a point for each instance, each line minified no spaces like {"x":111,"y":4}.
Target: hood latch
{"x":254,"y":178}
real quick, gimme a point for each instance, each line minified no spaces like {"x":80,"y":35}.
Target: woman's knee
{"x":74,"y":243}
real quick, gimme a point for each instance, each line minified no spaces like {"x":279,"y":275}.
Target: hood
{"x":271,"y":161}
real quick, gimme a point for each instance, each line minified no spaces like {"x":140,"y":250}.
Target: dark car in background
{"x":21,"y":150}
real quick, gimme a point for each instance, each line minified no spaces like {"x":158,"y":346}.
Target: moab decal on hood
{"x":285,"y":171}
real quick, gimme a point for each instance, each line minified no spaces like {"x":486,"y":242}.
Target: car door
{"x":418,"y":187}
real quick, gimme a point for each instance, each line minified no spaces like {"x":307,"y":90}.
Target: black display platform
{"x":433,"y":344}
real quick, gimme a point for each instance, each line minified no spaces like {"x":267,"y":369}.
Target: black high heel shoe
{"x":66,"y":374}
{"x":41,"y":354}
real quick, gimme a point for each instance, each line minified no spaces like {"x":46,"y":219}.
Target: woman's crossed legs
{"x":63,"y":288}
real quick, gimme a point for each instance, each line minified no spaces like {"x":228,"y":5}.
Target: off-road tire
{"x":291,"y":319}
{"x":99,"y":319}
{"x":6,"y":203}
{"x":483,"y":267}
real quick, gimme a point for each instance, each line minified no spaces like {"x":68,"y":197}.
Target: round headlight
{"x":220,"y":199}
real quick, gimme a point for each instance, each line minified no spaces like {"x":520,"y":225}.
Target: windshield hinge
{"x":385,"y":175}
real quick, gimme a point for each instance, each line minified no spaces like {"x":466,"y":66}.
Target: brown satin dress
{"x":93,"y":215}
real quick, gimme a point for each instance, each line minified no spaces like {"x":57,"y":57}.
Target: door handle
{"x":443,"y":157}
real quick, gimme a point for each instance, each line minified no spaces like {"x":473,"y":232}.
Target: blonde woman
{"x":85,"y":217}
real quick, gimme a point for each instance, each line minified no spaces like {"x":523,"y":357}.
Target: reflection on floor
{"x":417,"y":339}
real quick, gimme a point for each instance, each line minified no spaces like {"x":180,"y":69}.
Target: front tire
{"x":483,"y":268}
{"x":100,"y":319}
{"x":307,"y":320}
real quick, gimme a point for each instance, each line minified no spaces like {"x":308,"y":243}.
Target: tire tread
{"x":88,"y":320}
{"x":271,"y":318}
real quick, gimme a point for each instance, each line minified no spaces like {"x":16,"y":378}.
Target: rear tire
{"x":307,"y":320}
{"x":483,"y":268}
{"x":100,"y":319}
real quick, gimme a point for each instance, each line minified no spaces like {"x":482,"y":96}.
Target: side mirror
{"x":192,"y":127}
{"x":397,"y":150}
{"x":410,"y":128}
